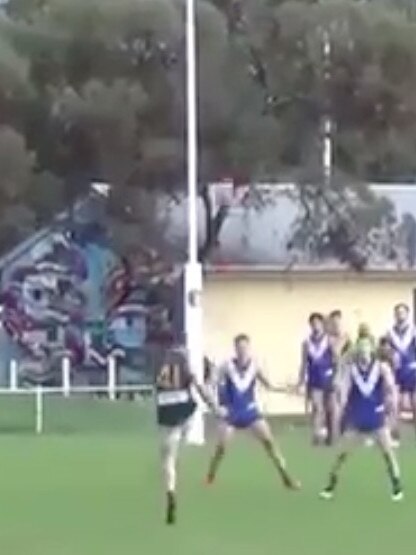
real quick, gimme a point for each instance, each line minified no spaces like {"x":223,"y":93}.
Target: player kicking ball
{"x":367,"y":394}
{"x":236,"y":383}
{"x":175,"y":408}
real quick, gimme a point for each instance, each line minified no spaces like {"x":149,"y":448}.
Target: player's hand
{"x":299,"y":389}
{"x":221,"y":413}
{"x":292,"y":389}
{"x":277,"y":389}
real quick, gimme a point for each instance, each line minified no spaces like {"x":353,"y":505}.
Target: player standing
{"x":340,"y":340}
{"x":317,"y":370}
{"x":175,"y":409}
{"x":341,"y":347}
{"x":402,"y":338}
{"x":237,"y":383}
{"x":367,"y":395}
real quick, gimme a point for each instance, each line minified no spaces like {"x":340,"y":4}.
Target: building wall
{"x":273,"y":309}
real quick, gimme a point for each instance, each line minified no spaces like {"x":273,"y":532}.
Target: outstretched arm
{"x":303,"y":364}
{"x":209,"y":399}
{"x":392,"y":400}
{"x":203,"y":389}
{"x":265,"y":382}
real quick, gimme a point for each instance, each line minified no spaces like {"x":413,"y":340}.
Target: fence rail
{"x":111,"y":388}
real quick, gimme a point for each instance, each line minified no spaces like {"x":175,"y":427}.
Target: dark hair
{"x":316,"y":316}
{"x":335,"y":314}
{"x":241,"y":338}
{"x":208,"y":369}
{"x":398,"y":306}
{"x":384,"y":341}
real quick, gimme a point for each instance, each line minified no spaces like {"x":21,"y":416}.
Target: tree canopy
{"x":95,"y":89}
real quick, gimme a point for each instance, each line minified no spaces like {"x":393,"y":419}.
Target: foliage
{"x":96,"y":90}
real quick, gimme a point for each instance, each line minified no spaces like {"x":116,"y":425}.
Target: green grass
{"x":93,"y":489}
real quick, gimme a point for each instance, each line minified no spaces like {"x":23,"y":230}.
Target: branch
{"x":213,"y":224}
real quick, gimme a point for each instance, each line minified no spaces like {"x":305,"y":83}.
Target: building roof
{"x":226,"y":272}
{"x":263,"y":237}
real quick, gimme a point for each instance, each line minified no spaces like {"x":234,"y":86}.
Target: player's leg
{"x":393,"y":423}
{"x":225,"y":433}
{"x":384,"y":441}
{"x":402,"y":398}
{"x":263,"y":433}
{"x":330,"y":402}
{"x":318,"y":416}
{"x":338,"y":420}
{"x":412,"y":399}
{"x":171,"y":438}
{"x":348,"y":442}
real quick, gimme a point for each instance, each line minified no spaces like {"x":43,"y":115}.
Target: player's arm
{"x":208,"y":398}
{"x":214,"y":376}
{"x":208,"y":371}
{"x":206,"y":394}
{"x":265,"y":382}
{"x":390,"y":389}
{"x":394,"y":356}
{"x":395,"y":359}
{"x":303,"y":365}
{"x":349,"y":344}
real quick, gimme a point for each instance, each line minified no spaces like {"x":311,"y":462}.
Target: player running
{"x":402,"y":338}
{"x":236,"y":383}
{"x":317,"y":370}
{"x":175,"y":409}
{"x":367,"y":395}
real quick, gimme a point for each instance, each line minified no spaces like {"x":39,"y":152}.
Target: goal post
{"x":194,"y":343}
{"x":193,"y":269}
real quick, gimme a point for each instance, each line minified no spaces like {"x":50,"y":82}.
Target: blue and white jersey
{"x":365,"y":407}
{"x":403,"y":342}
{"x":237,"y":384}
{"x":319,"y":361}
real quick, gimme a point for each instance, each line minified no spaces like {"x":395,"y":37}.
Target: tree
{"x":15,"y":170}
{"x":363,"y":86}
{"x":96,"y":90}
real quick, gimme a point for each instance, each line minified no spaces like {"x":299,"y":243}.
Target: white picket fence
{"x":111,"y":388}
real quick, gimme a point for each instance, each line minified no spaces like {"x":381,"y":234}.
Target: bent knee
{"x":221,"y":448}
{"x":267,"y":443}
{"x":317,"y":408}
{"x":225,"y":435}
{"x":342,"y":457}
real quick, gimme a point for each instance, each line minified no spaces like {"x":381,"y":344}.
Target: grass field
{"x":93,"y":489}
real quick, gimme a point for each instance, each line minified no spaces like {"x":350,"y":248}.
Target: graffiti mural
{"x":74,"y":298}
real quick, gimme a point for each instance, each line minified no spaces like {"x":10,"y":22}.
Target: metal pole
{"x":192,"y":132}
{"x":193,"y":269}
{"x":112,"y":377}
{"x":39,"y":410}
{"x":14,"y":373}
{"x":327,"y":121}
{"x":66,"y":376}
